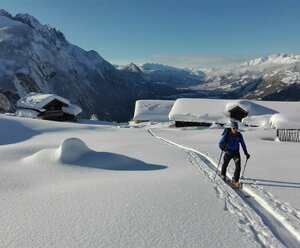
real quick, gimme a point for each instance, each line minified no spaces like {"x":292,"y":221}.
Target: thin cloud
{"x":200,"y":61}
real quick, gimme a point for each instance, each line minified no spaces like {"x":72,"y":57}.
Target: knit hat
{"x":234,"y":124}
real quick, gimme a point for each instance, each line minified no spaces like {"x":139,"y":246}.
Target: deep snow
{"x":152,"y":110}
{"x":89,"y":185}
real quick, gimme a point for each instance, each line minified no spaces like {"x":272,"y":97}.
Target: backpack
{"x":226,"y":131}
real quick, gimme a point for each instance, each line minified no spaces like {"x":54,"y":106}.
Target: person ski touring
{"x":230,"y":143}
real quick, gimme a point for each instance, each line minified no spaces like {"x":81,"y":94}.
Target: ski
{"x":241,"y":191}
{"x":238,"y":190}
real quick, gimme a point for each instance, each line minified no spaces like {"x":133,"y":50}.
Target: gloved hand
{"x":248,"y":156}
{"x":222,"y":147}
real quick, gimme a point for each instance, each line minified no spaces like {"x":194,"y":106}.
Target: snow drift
{"x":74,"y":151}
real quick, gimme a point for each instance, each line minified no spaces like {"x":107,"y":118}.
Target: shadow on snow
{"x":113,"y":161}
{"x":14,"y":132}
{"x":273,"y":183}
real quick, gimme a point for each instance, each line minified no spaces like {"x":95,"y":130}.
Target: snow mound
{"x":71,"y":150}
{"x":74,"y":151}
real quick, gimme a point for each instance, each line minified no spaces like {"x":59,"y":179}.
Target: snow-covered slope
{"x":177,"y":77}
{"x":83,"y":185}
{"x":131,"y":68}
{"x":275,"y":77}
{"x":274,"y":59}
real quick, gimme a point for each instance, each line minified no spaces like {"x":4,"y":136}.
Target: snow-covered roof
{"x":258,"y":121}
{"x":277,"y":118}
{"x":254,"y":108}
{"x":200,"y":110}
{"x":285,"y":121}
{"x":38,"y":101}
{"x":216,"y":110}
{"x":72,"y":109}
{"x":152,"y":110}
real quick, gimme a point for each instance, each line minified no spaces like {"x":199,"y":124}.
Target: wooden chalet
{"x":47,"y":107}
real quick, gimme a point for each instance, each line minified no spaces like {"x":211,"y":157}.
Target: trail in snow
{"x":232,"y":203}
{"x":255,"y":214}
{"x":290,"y":214}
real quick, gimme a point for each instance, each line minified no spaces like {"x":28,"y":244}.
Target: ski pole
{"x":218,"y":164}
{"x":244,"y":168}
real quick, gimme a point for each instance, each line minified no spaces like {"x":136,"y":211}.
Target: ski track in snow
{"x":232,"y":203}
{"x":252,"y":219}
{"x":292,"y":214}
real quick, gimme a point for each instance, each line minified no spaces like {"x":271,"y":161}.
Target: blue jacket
{"x":231,"y":143}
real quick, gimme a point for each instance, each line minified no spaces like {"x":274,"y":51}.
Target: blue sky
{"x":186,"y":33}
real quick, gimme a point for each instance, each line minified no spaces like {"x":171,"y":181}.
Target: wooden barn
{"x":47,"y":107}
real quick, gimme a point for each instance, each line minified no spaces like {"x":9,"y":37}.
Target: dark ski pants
{"x":237,"y":161}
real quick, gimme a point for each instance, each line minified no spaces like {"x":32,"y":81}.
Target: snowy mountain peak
{"x":132,"y":68}
{"x":29,"y":20}
{"x":5,"y":13}
{"x":277,"y":59}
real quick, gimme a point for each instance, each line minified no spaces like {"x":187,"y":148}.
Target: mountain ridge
{"x":38,"y":58}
